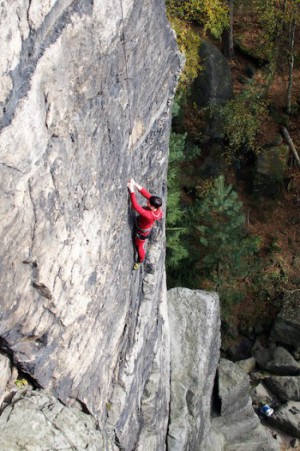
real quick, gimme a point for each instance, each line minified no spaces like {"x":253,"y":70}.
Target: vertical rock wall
{"x":194,"y":317}
{"x":86,"y":89}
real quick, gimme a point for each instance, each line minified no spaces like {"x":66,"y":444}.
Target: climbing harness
{"x":143,"y":230}
{"x":141,"y":237}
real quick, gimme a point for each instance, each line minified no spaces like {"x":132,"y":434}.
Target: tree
{"x":176,"y":228}
{"x":212,"y":15}
{"x":279,"y":19}
{"x":227,"y":36}
{"x":294,"y":18}
{"x":227,"y":248}
{"x":241,"y":119}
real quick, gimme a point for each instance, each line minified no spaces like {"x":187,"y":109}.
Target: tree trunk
{"x":291,"y":144}
{"x":227,"y":37}
{"x":291,"y":66}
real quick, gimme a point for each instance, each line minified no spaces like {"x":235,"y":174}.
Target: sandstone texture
{"x":213,"y":87}
{"x":52,"y":425}
{"x":286,"y":329}
{"x":277,"y":360}
{"x":195,"y":342}
{"x":286,"y":418}
{"x":86,"y":92}
{"x":285,"y":387}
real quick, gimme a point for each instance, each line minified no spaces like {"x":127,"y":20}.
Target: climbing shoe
{"x":136,"y":265}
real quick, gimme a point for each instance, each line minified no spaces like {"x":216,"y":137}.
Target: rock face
{"x":52,"y":425}
{"x":86,"y":91}
{"x":5,"y":375}
{"x":213,"y":87}
{"x":271,"y":166}
{"x":195,"y":342}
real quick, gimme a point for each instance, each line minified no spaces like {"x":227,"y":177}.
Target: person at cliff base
{"x":148,"y":215}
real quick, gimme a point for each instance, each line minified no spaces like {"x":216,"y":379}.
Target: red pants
{"x":140,"y":245}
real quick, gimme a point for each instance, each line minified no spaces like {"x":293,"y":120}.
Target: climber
{"x":146,"y":219}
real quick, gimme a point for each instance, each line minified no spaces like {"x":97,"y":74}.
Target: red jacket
{"x":146,"y":217}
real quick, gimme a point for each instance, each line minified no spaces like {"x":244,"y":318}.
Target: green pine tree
{"x":228,"y":251}
{"x":176,"y":228}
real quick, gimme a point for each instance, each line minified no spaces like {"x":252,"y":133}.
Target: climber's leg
{"x":140,"y":245}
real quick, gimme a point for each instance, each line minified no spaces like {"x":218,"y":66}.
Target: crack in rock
{"x":34,"y":226}
{"x":11,"y":167}
{"x":43,"y":290}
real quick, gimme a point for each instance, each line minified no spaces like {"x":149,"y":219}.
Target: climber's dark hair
{"x":155,"y":201}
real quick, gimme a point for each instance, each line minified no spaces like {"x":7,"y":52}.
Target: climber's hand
{"x":139,"y":187}
{"x":130,"y":186}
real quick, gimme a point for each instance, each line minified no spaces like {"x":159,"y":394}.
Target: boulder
{"x":277,"y":360}
{"x":233,"y":386}
{"x":5,"y":372}
{"x":271,"y":166}
{"x":261,"y":395}
{"x":37,"y":420}
{"x":287,"y":418}
{"x":241,"y":349}
{"x":213,"y":87}
{"x":5,"y":375}
{"x":238,"y":423}
{"x":285,"y":387}
{"x":286,"y":328}
{"x":247,"y":365}
{"x":195,"y":341}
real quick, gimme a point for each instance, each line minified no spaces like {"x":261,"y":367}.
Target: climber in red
{"x":146,"y":219}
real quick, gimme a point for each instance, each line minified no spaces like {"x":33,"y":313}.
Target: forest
{"x":234,"y":169}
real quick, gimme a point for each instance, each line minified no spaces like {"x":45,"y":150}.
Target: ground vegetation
{"x":225,"y":230}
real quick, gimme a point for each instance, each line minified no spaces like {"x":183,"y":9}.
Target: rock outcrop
{"x":276,"y":378}
{"x":284,"y":387}
{"x":286,"y":328}
{"x":271,"y":167}
{"x":213,"y":87}
{"x":37,"y":420}
{"x":277,"y":360}
{"x":86,"y":92}
{"x":195,"y":342}
{"x":237,"y":425}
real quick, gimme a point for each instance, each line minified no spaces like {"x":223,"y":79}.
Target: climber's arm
{"x":142,"y":190}
{"x":137,"y":207}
